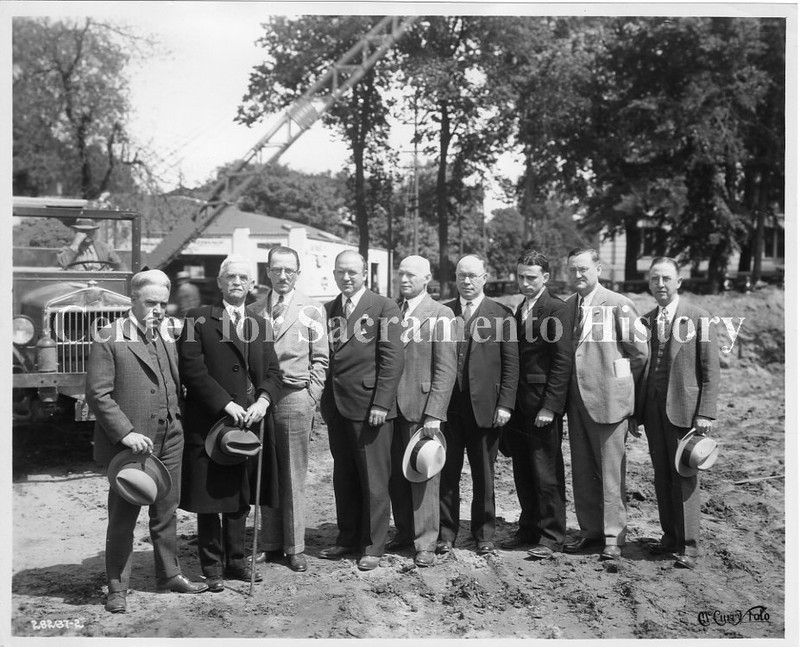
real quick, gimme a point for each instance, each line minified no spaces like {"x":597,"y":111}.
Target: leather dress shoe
{"x":242,"y":573}
{"x":424,"y":558}
{"x":444,"y":546}
{"x":685,"y":561}
{"x":368,"y":562}
{"x":215,"y":583}
{"x":116,"y":602}
{"x":540,"y":551}
{"x":298,"y":563}
{"x":399,"y":543}
{"x":336,"y":552}
{"x":657,"y":548}
{"x":581,"y":544}
{"x":516,"y":541}
{"x":611,"y":552}
{"x":485,"y":548}
{"x":181,"y":584}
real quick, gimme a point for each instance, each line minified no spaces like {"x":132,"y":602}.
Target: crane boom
{"x":290,"y":125}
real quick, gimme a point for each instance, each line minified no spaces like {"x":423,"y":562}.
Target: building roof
{"x":262,"y":225}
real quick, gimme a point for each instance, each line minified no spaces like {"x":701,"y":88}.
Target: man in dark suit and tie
{"x":536,"y":429}
{"x":487,"y":372}
{"x":422,"y":398}
{"x":680,"y":392}
{"x":358,"y":405}
{"x":228,"y":369}
{"x":297,"y":325}
{"x":133,"y":389}
{"x":609,"y":361}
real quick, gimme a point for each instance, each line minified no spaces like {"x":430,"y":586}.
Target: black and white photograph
{"x":388,"y":320}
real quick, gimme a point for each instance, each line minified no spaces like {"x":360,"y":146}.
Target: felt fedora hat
{"x":140,"y":479}
{"x":229,"y":444}
{"x":695,"y":452}
{"x":424,"y":457}
{"x":85,"y":224}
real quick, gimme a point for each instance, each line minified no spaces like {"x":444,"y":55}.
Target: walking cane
{"x":258,"y":508}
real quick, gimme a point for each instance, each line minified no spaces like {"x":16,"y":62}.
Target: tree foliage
{"x":70,"y":106}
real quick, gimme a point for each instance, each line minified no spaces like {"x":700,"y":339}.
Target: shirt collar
{"x":139,"y":325}
{"x":475,"y":302}
{"x":231,"y":308}
{"x":287,"y":298}
{"x":413,"y":302}
{"x":527,"y":304}
{"x":355,"y":298}
{"x":589,"y":298}
{"x":671,"y":307}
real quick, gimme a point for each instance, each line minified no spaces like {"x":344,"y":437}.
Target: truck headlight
{"x":23,"y":330}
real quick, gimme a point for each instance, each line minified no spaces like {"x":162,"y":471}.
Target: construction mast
{"x":294,"y":121}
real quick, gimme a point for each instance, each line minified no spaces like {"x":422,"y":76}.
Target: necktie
{"x":663,"y":320}
{"x":579,"y":320}
{"x":527,"y":308}
{"x":404,"y":310}
{"x":237,"y":321}
{"x":348,"y":308}
{"x":277,"y":312}
{"x":467,"y":314}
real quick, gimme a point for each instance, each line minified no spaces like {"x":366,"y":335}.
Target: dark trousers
{"x":361,"y":469}
{"x":415,"y":506}
{"x":539,"y":479}
{"x":220,"y":540}
{"x":678,"y":496}
{"x":481,"y":444}
{"x":122,"y":516}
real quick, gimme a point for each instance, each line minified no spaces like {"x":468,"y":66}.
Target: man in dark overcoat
{"x":228,"y":369}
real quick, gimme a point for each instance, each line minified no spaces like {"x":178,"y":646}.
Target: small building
{"x":252,"y":235}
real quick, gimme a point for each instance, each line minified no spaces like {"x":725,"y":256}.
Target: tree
{"x":505,"y":234}
{"x":299,"y":50}
{"x":70,"y":108}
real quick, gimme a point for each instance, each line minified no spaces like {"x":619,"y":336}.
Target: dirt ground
{"x":738,"y":591}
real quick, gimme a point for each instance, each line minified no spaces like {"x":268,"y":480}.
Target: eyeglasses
{"x":579,"y":270}
{"x":469,"y":277}
{"x":277,"y":271}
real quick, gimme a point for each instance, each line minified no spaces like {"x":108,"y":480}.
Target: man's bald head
{"x":415,"y":274}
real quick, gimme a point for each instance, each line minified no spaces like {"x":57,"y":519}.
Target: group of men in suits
{"x":469,"y":373}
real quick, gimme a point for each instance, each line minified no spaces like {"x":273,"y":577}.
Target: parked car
{"x":55,"y":309}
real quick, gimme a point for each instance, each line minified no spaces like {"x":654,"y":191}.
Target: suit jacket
{"x":121,"y":387}
{"x":215,"y":366}
{"x":430,"y":362}
{"x":693,"y":365}
{"x":492,"y":363}
{"x":545,"y":356}
{"x":301,"y":344}
{"x":366,"y":358}
{"x":608,"y":398}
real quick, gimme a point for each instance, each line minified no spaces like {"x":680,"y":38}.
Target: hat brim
{"x":686,"y":470}
{"x":213,"y":449}
{"x":409,"y":472}
{"x":149,"y":464}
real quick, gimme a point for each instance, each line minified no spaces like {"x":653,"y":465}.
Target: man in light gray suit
{"x":422,"y":398}
{"x":298,"y":327}
{"x":609,"y":361}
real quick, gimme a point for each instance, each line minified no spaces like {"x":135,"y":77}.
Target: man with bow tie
{"x":485,"y":390}
{"x":679,"y":392}
{"x":229,"y":368}
{"x":609,"y":361}
{"x":536,"y":429}
{"x":422,"y":398}
{"x":358,"y":406}
{"x":296,"y":324}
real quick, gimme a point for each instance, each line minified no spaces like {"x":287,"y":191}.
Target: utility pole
{"x":416,"y":181}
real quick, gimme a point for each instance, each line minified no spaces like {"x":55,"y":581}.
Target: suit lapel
{"x":420,"y":317}
{"x":674,"y":344}
{"x":224,"y":324}
{"x":136,"y":345}
{"x":362,"y":308}
{"x":289,"y":315}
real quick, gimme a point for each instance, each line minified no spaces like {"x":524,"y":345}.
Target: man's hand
{"x":377,"y":416}
{"x":236,"y":412}
{"x":255,"y":412}
{"x":544,"y":417}
{"x":702,"y":425}
{"x":138,"y":443}
{"x":77,"y":241}
{"x":633,"y":427}
{"x":501,"y":417}
{"x":430,"y":426}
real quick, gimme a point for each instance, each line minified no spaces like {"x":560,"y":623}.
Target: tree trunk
{"x":441,"y":200}
{"x":762,"y":207}
{"x":633,"y":244}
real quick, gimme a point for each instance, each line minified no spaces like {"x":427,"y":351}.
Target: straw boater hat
{"x":424,"y":457}
{"x":85,"y":224}
{"x":140,"y":479}
{"x":695,"y":452}
{"x":229,"y":444}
